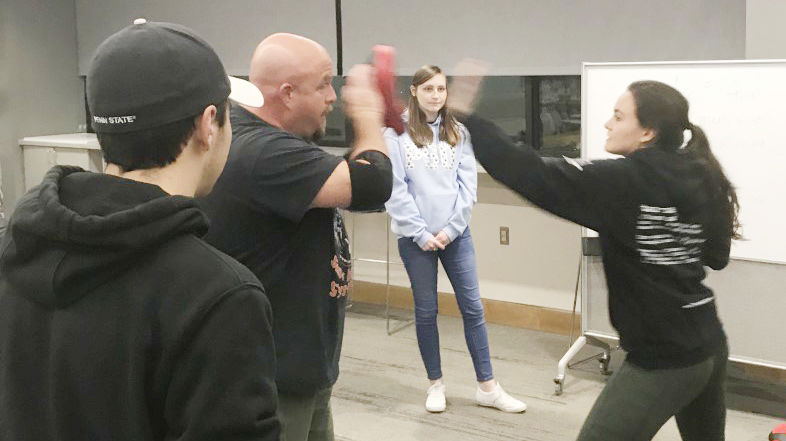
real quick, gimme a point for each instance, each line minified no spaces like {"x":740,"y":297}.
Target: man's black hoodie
{"x":659,"y":223}
{"x":117,"y":322}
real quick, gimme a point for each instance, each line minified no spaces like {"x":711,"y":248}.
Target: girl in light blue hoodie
{"x":434,"y":189}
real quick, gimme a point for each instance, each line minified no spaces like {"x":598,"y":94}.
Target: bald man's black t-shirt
{"x":259,"y":214}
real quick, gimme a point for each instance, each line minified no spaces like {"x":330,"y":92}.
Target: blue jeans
{"x":458,"y":259}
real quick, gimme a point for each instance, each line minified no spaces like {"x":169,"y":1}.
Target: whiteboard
{"x":741,"y":105}
{"x":749,"y":296}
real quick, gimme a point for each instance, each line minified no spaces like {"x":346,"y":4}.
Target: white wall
{"x":538,"y":267}
{"x":40,"y":57}
{"x":232,"y":27}
{"x":536,"y":37}
{"x":765,"y":34}
{"x":40,"y":89}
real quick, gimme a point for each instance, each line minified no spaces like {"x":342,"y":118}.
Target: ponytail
{"x":665,"y":110}
{"x":720,"y":185}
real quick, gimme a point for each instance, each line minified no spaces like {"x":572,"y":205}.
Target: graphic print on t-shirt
{"x":341,"y":263}
{"x":663,"y":240}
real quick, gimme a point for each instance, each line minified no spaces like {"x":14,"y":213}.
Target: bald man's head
{"x":284,"y":57}
{"x":294,"y":74}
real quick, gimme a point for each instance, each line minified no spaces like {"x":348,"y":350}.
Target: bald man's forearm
{"x":364,"y":181}
{"x":368,"y":136}
{"x":371,"y":174}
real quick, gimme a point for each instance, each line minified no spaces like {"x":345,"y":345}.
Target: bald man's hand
{"x":362,"y":100}
{"x":363,"y":105}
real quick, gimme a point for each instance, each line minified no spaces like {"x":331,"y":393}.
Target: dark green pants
{"x":636,"y":402}
{"x":306,"y":417}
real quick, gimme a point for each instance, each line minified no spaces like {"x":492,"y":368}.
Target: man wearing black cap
{"x":117,"y":322}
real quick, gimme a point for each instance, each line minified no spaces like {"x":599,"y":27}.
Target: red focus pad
{"x":384,"y":61}
{"x":778,"y":433}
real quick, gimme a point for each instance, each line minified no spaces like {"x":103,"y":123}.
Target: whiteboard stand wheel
{"x":603,"y":361}
{"x":558,"y":383}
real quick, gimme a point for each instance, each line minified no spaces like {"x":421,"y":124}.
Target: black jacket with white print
{"x":659,"y":225}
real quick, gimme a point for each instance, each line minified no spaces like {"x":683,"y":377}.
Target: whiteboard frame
{"x":586,"y":232}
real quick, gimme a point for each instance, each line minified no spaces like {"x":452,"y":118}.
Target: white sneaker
{"x":435,"y":398}
{"x":499,"y":399}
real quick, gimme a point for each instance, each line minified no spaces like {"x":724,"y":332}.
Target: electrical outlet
{"x":504,"y":235}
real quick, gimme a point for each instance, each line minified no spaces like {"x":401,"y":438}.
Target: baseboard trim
{"x":497,"y":311}
{"x":757,"y":372}
{"x":524,"y":316}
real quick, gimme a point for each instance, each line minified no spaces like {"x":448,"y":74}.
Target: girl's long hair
{"x":417,"y":127}
{"x":665,"y":110}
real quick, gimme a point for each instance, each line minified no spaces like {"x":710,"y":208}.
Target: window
{"x":560,"y":115}
{"x":550,"y":106}
{"x":503,"y":100}
{"x":542,"y":111}
{"x":337,"y":131}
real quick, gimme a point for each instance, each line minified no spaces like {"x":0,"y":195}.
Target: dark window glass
{"x":337,"y":127}
{"x":503,"y":100}
{"x":544,"y":112}
{"x":560,"y":116}
{"x":551,"y":106}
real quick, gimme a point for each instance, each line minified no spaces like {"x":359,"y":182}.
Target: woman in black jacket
{"x":663,"y":212}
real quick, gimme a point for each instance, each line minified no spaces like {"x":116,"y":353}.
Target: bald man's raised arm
{"x":337,"y":190}
{"x":364,"y":181}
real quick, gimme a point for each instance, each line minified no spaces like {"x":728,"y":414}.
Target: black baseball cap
{"x":153,"y":73}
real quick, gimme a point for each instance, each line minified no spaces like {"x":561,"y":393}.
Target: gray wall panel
{"x":535,"y":37}
{"x":232,"y":27}
{"x":765,"y":34}
{"x":40,"y":89}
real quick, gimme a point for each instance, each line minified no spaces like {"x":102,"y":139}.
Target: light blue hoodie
{"x":434,"y":186}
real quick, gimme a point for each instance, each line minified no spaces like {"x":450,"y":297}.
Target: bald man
{"x":275,"y":209}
